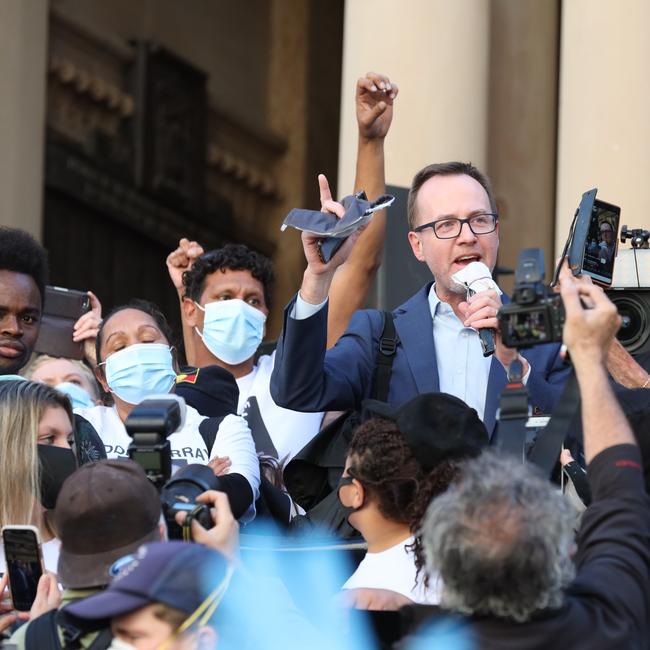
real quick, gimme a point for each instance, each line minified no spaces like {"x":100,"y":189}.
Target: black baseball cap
{"x":211,"y":390}
{"x":437,"y":427}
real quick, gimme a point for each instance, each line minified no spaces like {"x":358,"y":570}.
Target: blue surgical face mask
{"x":139,"y":371}
{"x":78,"y":396}
{"x":232,"y":330}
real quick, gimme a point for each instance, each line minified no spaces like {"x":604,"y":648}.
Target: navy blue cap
{"x":178,"y":574}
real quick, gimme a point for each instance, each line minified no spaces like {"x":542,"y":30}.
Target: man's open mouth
{"x":464,"y":260}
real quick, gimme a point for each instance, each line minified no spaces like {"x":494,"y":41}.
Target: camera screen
{"x":150,"y":461}
{"x":600,"y":244}
{"x":527,"y":327}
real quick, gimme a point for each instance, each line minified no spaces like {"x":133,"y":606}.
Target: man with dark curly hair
{"x":396,"y":463}
{"x":23,"y":275}
{"x":226,"y":295}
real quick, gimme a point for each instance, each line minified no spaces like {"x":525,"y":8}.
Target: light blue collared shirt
{"x":463,"y":371}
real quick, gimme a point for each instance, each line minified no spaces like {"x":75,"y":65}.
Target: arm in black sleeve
{"x":239,"y":491}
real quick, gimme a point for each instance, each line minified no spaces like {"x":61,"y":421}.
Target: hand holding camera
{"x":224,"y":534}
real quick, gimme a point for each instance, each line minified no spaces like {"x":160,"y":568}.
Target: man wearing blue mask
{"x":226,"y":294}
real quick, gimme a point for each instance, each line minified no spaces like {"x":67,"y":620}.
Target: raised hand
{"x":181,"y":260}
{"x":87,"y":327}
{"x":318,"y":276}
{"x":374,"y":102}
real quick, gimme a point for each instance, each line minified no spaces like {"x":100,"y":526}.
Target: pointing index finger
{"x":324,"y":187}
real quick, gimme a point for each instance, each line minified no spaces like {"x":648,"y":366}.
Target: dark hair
{"x":382,"y":461}
{"x":233,"y":257}
{"x":141,"y":305}
{"x":21,"y":253}
{"x":446,"y":169}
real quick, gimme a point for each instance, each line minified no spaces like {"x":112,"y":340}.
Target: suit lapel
{"x":415,"y":329}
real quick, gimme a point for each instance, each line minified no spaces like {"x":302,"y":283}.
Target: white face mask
{"x":232,"y":330}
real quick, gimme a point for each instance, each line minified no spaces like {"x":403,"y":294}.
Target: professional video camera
{"x":150,"y":424}
{"x":536,"y":314}
{"x":630,"y":290}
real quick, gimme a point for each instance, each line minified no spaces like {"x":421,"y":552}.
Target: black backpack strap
{"x":209,"y":429}
{"x":549,"y":441}
{"x":385,"y":356}
{"x":42,"y":633}
{"x":514,"y":410}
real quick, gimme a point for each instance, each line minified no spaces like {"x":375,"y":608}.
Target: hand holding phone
{"x":61,"y":310}
{"x":592,"y":244}
{"x":24,"y":562}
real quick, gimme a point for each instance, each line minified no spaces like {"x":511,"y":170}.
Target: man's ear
{"x":359,"y":494}
{"x":191,"y":314}
{"x":101,"y":378}
{"x":416,"y":246}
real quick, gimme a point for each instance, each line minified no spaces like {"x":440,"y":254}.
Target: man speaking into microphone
{"x":453,"y":223}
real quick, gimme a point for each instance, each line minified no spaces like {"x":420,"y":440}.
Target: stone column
{"x":604,"y":117}
{"x":524,"y":40}
{"x":23,"y":33}
{"x":437,"y":52}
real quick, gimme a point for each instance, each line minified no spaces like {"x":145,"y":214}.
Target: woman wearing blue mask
{"x":136,"y":361}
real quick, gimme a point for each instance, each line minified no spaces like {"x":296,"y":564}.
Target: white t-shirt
{"x":187,"y":446}
{"x":50,"y":550}
{"x":289,"y":431}
{"x":394,"y":569}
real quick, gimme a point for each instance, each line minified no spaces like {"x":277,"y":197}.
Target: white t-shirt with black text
{"x":187,"y":446}
{"x":274,"y":429}
{"x":394,"y":569}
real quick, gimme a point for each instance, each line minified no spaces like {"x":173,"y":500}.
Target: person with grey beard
{"x":501,"y":538}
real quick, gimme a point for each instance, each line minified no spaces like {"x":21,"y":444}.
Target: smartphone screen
{"x":601,"y":242}
{"x":24,"y":565}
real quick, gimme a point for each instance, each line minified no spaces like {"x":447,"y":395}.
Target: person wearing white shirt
{"x":136,"y":361}
{"x":396,"y":464}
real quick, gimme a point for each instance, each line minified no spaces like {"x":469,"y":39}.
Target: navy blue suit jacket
{"x":307,"y":378}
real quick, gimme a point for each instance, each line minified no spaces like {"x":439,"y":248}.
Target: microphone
{"x":476,"y":277}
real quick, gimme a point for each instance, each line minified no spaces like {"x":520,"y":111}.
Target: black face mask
{"x":57,"y":464}
{"x":348,"y":510}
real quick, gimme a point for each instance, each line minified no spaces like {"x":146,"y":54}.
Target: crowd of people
{"x":356,"y":497}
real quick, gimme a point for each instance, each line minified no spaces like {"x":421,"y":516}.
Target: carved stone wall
{"x":259,"y":136}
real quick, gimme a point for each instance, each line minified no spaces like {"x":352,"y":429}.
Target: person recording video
{"x":502,"y":536}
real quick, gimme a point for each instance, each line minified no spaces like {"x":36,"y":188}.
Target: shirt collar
{"x":436,"y":305}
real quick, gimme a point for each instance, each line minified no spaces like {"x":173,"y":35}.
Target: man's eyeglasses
{"x":449,"y":228}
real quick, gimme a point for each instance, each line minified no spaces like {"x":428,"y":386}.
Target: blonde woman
{"x":69,"y":376}
{"x":36,"y":428}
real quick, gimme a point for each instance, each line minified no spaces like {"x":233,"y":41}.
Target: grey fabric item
{"x":334,"y":231}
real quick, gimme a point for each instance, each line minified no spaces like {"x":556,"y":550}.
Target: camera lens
{"x":634,"y":330}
